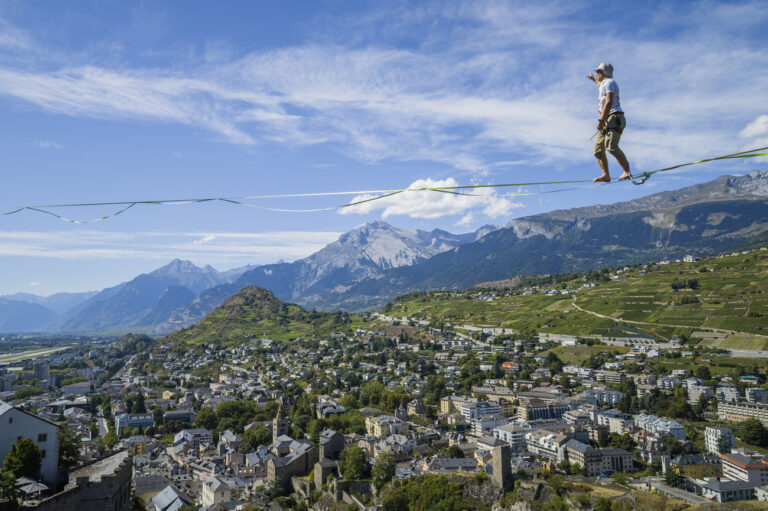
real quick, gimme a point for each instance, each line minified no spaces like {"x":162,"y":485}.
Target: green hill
{"x":253,"y":313}
{"x":721,"y":302}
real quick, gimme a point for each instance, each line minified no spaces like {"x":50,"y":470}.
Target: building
{"x":752,"y":469}
{"x":513,"y":434}
{"x":480,"y":409}
{"x":450,"y":404}
{"x":415,"y":407}
{"x":737,"y":412}
{"x":616,"y":421}
{"x":696,"y":392}
{"x":727,"y":393}
{"x":502,"y":468}
{"x":180,"y":416}
{"x":602,"y":396}
{"x":484,"y":425}
{"x":534,"y":409}
{"x":193,"y":437}
{"x":385,"y":425}
{"x":292,"y":458}
{"x":660,"y":426}
{"x":722,"y":490}
{"x":588,"y":458}
{"x":133,"y":420}
{"x":612,"y":377}
{"x":756,"y":395}
{"x":325,"y":410}
{"x":546,"y":444}
{"x":16,"y":424}
{"x":169,"y":499}
{"x":718,"y":439}
{"x":508,"y":408}
{"x":217,"y":489}
{"x":616,"y":460}
{"x":697,"y":466}
{"x":667,"y":382}
{"x":42,"y":372}
{"x":281,"y":424}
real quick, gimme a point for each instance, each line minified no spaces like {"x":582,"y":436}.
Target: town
{"x":379,"y":413}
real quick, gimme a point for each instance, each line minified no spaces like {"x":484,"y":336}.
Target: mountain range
{"x":376,"y":262}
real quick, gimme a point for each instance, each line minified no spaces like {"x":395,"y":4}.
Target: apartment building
{"x":718,"y":439}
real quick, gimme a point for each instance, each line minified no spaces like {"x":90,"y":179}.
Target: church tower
{"x":281,"y":425}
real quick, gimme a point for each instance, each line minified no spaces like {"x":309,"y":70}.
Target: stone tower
{"x":502,"y":466}
{"x":281,"y":425}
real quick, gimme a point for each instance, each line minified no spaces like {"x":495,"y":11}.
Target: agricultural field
{"x":728,"y":295}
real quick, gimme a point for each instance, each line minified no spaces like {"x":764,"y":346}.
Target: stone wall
{"x":106,"y":492}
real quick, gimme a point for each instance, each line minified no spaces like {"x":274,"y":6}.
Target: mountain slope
{"x":144,"y":301}
{"x":18,"y":316}
{"x":361,"y":253}
{"x":252,"y":313}
{"x":656,"y":300}
{"x":58,"y":302}
{"x":702,"y":219}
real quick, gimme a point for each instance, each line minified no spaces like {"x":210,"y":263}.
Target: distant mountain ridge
{"x":143,"y":301}
{"x":58,"y":302}
{"x":372,"y":264}
{"x":364,"y":252}
{"x":180,"y":293}
{"x":719,"y":215}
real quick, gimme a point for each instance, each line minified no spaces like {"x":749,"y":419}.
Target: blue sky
{"x":115,"y":100}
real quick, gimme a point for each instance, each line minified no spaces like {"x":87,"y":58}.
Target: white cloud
{"x":47,"y":144}
{"x":487,"y":81}
{"x":432,"y":204}
{"x":34,"y":284}
{"x":465,"y":220}
{"x":756,"y":128}
{"x":756,"y":135}
{"x":205,"y":248}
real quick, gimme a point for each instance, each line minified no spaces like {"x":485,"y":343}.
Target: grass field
{"x":579,"y":354}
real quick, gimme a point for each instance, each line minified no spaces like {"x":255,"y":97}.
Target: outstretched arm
{"x":591,"y":77}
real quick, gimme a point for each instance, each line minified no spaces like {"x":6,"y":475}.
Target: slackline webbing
{"x":637,"y":179}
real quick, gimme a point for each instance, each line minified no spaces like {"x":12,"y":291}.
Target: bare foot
{"x":625,"y":176}
{"x":602,"y":179}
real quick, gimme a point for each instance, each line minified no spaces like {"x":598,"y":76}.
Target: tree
{"x":395,"y":500}
{"x":69,"y":448}
{"x":603,"y":504}
{"x":557,"y":503}
{"x":454,"y":451}
{"x":24,"y":459}
{"x":674,"y":479}
{"x":257,"y":436}
{"x":383,"y":470}
{"x":354,"y":464}
{"x":108,"y":441}
{"x":206,"y":418}
{"x":157,"y":416}
{"x":702,"y":372}
{"x":753,"y":432}
{"x":8,"y":495}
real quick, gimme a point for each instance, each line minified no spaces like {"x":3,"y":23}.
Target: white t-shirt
{"x":606,"y":86}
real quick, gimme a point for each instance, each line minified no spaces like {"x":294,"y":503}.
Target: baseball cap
{"x":606,"y":68}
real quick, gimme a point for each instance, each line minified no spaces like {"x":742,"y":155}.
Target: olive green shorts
{"x":608,"y":140}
